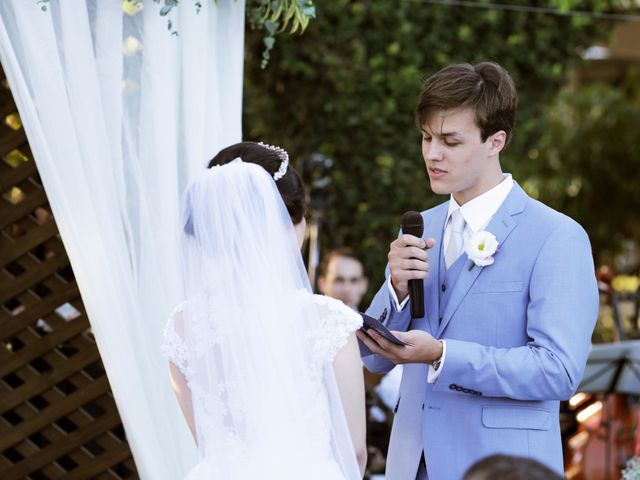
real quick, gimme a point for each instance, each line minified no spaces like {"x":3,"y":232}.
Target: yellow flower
{"x":625,"y":283}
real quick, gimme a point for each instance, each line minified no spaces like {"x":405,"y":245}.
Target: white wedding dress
{"x":223,"y":418}
{"x":253,"y":343}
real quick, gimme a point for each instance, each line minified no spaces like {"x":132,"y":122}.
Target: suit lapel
{"x":434,"y":229}
{"x":501,"y":226}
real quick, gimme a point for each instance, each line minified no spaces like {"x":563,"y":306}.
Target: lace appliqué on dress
{"x":337,"y":322}
{"x":173,"y":346}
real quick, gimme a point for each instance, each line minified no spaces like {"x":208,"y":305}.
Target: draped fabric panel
{"x":122,"y":111}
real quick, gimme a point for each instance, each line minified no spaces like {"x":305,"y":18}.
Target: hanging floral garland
{"x":271,"y":16}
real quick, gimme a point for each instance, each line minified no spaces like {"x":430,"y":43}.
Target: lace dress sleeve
{"x":173,"y":345}
{"x":336,"y":323}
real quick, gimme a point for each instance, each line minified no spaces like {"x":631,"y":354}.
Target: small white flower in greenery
{"x":480,"y":248}
{"x":632,"y":469}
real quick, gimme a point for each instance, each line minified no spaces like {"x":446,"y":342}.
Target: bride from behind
{"x":268,"y":375}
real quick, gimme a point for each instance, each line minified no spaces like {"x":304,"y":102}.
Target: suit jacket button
{"x":444,"y":287}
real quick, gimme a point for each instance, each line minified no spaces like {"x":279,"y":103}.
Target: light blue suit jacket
{"x":518,"y":334}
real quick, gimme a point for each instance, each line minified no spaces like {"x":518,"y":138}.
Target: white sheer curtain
{"x":120,"y":114}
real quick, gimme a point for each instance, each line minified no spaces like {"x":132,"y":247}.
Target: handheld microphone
{"x":412,"y":224}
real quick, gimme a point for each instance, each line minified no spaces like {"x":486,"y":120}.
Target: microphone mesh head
{"x":412,"y":224}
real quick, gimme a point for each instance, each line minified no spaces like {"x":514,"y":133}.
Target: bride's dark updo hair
{"x":290,"y":186}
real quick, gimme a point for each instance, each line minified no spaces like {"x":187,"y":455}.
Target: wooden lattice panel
{"x":57,"y":415}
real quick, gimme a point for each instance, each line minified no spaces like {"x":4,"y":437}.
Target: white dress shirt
{"x":477,"y":214}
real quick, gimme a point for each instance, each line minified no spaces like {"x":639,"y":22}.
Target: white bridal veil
{"x":253,"y":342}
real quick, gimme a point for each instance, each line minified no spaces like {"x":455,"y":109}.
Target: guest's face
{"x":457,"y":159}
{"x":300,"y":229}
{"x":344,"y":280}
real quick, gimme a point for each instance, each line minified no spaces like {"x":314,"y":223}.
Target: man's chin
{"x":439,"y":189}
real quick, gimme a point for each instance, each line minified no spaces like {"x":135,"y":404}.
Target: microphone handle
{"x":416,"y":298}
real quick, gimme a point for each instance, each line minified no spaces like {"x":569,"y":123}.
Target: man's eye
{"x":426,"y":139}
{"x":452,"y":144}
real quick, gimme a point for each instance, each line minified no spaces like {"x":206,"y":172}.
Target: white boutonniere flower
{"x":481,"y":248}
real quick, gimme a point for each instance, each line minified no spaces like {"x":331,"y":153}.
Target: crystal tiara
{"x":284,"y":157}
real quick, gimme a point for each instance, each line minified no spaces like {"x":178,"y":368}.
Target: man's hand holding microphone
{"x":409,"y":266}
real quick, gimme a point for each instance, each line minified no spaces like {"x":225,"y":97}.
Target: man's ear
{"x":497,"y":142}
{"x":321,"y":284}
{"x":365,"y":285}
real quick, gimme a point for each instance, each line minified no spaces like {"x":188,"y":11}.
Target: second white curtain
{"x":121,"y":112}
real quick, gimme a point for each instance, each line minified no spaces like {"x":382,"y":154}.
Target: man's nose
{"x":433,"y":151}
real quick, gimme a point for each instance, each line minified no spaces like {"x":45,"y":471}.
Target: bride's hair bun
{"x":289,"y":184}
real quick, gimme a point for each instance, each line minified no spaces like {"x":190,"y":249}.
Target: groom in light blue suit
{"x":506,"y":333}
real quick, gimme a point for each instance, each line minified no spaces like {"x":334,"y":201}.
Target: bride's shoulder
{"x":336,"y":309}
{"x":173,"y":345}
{"x":176,"y":317}
{"x":328,"y":309}
{"x":333,"y":323}
{"x":178,"y":310}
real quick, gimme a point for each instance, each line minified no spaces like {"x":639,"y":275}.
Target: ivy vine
{"x":273,"y":16}
{"x":270,"y":16}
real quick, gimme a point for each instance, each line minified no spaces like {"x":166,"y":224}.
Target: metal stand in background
{"x":313,"y":242}
{"x":617,"y":317}
{"x":316,"y":173}
{"x":612,"y":368}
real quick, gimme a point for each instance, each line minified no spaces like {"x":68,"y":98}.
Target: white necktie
{"x":456,"y":227}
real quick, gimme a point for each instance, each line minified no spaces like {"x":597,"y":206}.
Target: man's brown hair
{"x":509,"y":467}
{"x":338,"y":252}
{"x":486,"y":88}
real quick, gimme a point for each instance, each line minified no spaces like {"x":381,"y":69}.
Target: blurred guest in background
{"x":342,"y":277}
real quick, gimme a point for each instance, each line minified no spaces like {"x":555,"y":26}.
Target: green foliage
{"x":585,"y":162}
{"x":267,"y":16}
{"x":270,"y":15}
{"x":348,"y":89}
